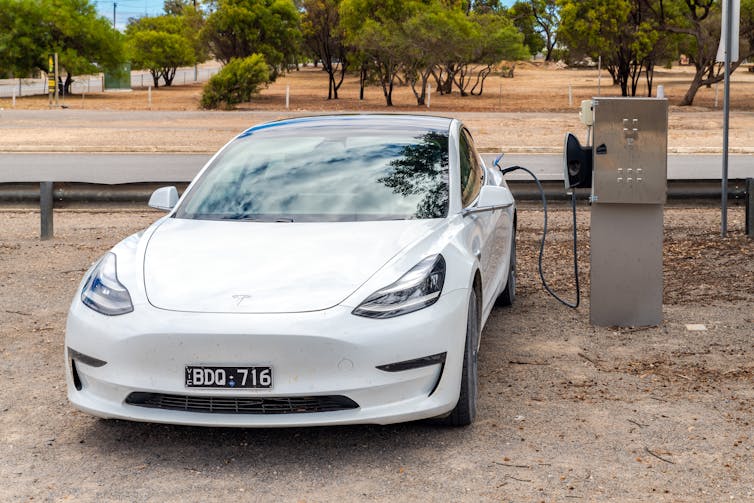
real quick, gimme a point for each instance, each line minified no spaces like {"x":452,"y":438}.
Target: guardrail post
{"x":750,"y":207}
{"x":45,"y":210}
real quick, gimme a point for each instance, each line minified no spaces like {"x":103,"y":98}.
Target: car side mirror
{"x":491,"y":197}
{"x":164,"y":198}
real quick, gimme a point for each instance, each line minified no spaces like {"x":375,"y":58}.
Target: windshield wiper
{"x":259,"y":219}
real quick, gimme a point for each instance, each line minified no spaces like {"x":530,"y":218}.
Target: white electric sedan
{"x":318,"y":271}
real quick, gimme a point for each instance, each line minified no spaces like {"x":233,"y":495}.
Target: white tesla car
{"x":318,"y":271}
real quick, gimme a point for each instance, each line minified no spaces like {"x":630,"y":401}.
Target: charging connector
{"x":547,"y":288}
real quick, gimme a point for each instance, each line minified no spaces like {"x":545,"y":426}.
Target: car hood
{"x":258,"y":267}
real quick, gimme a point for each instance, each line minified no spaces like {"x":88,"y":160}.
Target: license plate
{"x":228,"y":377}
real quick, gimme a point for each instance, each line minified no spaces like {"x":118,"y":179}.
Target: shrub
{"x":236,"y":82}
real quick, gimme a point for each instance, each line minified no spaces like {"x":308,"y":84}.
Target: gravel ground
{"x":567,"y":410}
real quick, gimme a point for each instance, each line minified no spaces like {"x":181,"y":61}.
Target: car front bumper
{"x":313,"y":354}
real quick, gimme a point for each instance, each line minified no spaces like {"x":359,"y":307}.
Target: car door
{"x":481,"y":232}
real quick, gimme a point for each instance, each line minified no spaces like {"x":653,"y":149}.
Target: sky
{"x":128,"y":8}
{"x":137,"y":8}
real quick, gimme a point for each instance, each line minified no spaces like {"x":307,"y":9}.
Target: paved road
{"x":100,"y":168}
{"x":680,"y":167}
{"x":127,"y":168}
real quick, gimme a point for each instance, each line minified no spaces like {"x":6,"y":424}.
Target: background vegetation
{"x":442,"y":45}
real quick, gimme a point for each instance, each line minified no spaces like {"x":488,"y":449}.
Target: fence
{"x":93,"y":83}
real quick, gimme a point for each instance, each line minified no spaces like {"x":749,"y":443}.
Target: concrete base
{"x":626,"y":264}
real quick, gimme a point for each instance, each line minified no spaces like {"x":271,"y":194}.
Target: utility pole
{"x":115,"y":4}
{"x":196,"y":65}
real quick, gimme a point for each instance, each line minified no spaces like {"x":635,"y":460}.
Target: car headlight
{"x":103,"y":292}
{"x":418,"y":288}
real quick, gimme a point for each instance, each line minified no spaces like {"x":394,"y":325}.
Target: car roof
{"x":376,"y":121}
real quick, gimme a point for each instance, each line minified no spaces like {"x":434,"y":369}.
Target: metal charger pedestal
{"x":629,"y":188}
{"x":626,"y":265}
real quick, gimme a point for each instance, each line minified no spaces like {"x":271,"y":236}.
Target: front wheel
{"x":465,"y":410}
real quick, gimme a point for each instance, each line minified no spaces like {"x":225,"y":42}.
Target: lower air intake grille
{"x":242,"y":405}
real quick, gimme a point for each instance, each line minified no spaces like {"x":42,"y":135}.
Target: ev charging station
{"x":626,"y":168}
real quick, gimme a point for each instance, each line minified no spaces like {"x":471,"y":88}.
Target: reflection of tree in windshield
{"x":422,"y":169}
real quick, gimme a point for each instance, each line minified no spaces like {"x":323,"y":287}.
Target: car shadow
{"x":202,"y":448}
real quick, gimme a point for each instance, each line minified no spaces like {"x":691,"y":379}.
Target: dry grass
{"x":535,"y":88}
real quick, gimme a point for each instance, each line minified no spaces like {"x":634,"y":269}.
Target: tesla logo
{"x":240,"y":298}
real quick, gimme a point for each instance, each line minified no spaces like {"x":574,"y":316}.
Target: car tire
{"x":508,"y":296}
{"x":465,"y":410}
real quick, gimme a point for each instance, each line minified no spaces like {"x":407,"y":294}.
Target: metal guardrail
{"x":50,"y":194}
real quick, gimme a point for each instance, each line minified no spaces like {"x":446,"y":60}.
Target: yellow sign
{"x":51,"y":74}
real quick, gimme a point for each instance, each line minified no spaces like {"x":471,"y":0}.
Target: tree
{"x":374,"y":28}
{"x":22,"y":47}
{"x":541,"y":17}
{"x":494,"y":39}
{"x":623,"y":32}
{"x":85,"y":42}
{"x":175,"y":7}
{"x":161,"y":53}
{"x":483,"y":7}
{"x":324,"y":38}
{"x":240,"y":28}
{"x":432,"y":36}
{"x":160,"y":44}
{"x":547,"y":18}
{"x":474,"y":48}
{"x":698,"y":23}
{"x":523,"y":19}
{"x":236,"y":82}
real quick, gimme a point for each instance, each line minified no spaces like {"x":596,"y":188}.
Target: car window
{"x":471,"y":170}
{"x":325,"y":174}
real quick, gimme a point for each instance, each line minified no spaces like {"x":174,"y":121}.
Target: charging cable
{"x":547,"y":288}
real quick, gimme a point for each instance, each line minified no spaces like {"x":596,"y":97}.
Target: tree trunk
{"x":635,"y":75}
{"x":447,"y":86}
{"x":613,"y":71}
{"x":67,"y":84}
{"x":156,"y":77}
{"x":362,"y":81}
{"x":424,"y":78}
{"x":481,"y":76}
{"x":343,"y":67}
{"x":168,"y":74}
{"x":462,"y":82}
{"x":696,"y":83}
{"x":548,"y":54}
{"x":437,"y":78}
{"x":387,"y":79}
{"x":388,"y":91}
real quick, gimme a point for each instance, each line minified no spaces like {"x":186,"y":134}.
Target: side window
{"x":471,"y":171}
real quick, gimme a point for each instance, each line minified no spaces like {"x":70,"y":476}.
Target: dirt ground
{"x":529,"y":113}
{"x":536,"y":87}
{"x":567,"y":410}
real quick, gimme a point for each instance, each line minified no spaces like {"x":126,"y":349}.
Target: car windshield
{"x":325,"y":174}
